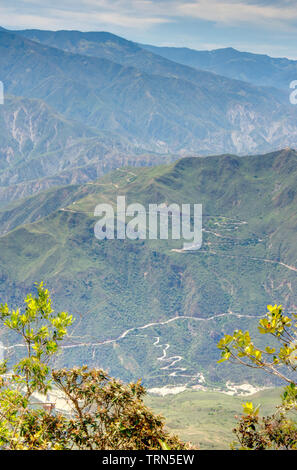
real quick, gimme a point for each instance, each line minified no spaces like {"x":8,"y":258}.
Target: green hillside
{"x":207,"y":418}
{"x":144,"y":308}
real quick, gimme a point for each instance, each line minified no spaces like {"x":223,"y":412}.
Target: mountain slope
{"x":190,"y":112}
{"x":144,"y":308}
{"x":258,"y":69}
{"x":39,"y":148}
{"x":114,"y":48}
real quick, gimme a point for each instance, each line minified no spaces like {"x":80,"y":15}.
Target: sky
{"x":261,"y":26}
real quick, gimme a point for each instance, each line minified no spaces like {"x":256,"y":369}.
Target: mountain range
{"x":90,"y":116}
{"x":258,"y":69}
{"x":80,"y":104}
{"x":145,"y":308}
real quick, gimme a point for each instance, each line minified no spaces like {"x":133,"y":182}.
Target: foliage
{"x":110,"y":415}
{"x":280,"y":359}
{"x":275,"y":432}
{"x":41,"y":330}
{"x":241,"y":348}
{"x":105,"y":414}
{"x":207,"y":418}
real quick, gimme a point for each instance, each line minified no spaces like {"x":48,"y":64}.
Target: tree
{"x":41,"y":330}
{"x":271,"y":432}
{"x":105,"y":414}
{"x":109,"y":414}
{"x":279,"y":359}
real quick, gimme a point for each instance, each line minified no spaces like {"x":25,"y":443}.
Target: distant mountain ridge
{"x":258,"y":69}
{"x":157,"y":105}
{"x":146,"y":111}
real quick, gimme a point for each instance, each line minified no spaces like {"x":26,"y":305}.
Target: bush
{"x":277,"y":431}
{"x":105,"y":414}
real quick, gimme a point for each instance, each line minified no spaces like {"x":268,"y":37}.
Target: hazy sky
{"x":263,"y":26}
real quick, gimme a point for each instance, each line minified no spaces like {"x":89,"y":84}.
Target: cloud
{"x":91,"y":14}
{"x":235,"y":11}
{"x":267,"y":26}
{"x":81,"y":14}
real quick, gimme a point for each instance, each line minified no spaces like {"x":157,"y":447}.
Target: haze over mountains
{"x":41,"y":148}
{"x":258,"y":69}
{"x":104,"y":102}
